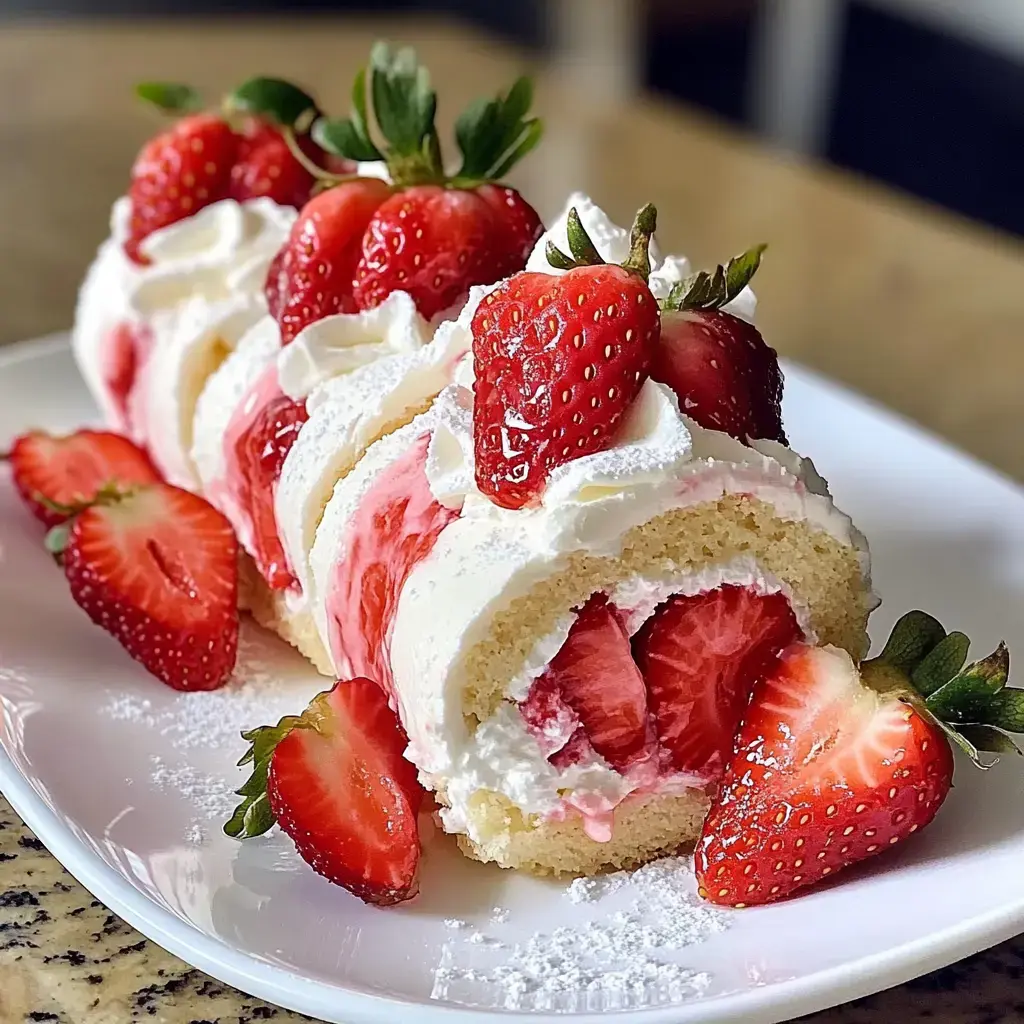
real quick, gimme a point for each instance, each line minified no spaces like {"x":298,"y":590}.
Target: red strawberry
{"x":177,"y":173}
{"x":523,"y":226}
{"x":595,"y":673}
{"x":833,"y":764}
{"x":438,"y":235}
{"x":72,"y":470}
{"x":158,"y":570}
{"x":558,"y":362}
{"x":265,"y":166}
{"x":312,"y":276}
{"x":339,"y":786}
{"x":700,"y":657}
{"x":432,"y":242}
{"x":725,"y":376}
{"x":259,"y":451}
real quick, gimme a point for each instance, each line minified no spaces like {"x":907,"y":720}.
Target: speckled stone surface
{"x":64,"y":958}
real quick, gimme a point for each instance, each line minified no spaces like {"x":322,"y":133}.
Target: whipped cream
{"x":342,"y":343}
{"x":612,"y":242}
{"x":346,"y":415}
{"x":222,"y":395}
{"x":201,"y":290}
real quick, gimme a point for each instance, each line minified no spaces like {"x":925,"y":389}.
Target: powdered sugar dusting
{"x":628,"y":954}
{"x":268,"y":682}
{"x":259,"y":693}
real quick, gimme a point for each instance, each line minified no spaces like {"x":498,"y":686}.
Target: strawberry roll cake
{"x":570,"y":666}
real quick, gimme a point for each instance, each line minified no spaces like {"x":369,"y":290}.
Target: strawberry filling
{"x":123,"y":353}
{"x":395,"y":527}
{"x":666,"y":703}
{"x":259,"y":436}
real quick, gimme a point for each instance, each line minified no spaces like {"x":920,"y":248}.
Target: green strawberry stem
{"x":393,"y":100}
{"x":718,"y":288}
{"x":924,"y":666}
{"x":324,"y":178}
{"x":170,"y":97}
{"x":253,"y":816}
{"x":585,"y":254}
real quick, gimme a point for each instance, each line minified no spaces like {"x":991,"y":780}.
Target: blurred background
{"x":873,"y":144}
{"x":927,"y":95}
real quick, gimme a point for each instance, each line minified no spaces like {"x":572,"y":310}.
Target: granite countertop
{"x":65,"y":959}
{"x":880,"y":292}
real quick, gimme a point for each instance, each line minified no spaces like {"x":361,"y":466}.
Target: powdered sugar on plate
{"x":630,"y":952}
{"x":268,"y":682}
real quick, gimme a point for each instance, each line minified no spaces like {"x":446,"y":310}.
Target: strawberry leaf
{"x":56,"y":539}
{"x":170,"y":97}
{"x":342,"y":138}
{"x":494,"y":134}
{"x":359,"y":119}
{"x":965,"y":698}
{"x":404,"y":103}
{"x":273,"y":99}
{"x":253,"y":815}
{"x":584,"y":252}
{"x":913,"y":637}
{"x":991,"y":740}
{"x":1005,"y":710}
{"x":940,"y":664}
{"x":718,"y":288}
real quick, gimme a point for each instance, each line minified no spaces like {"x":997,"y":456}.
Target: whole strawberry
{"x":240,"y":152}
{"x":558,"y":362}
{"x":725,"y":376}
{"x":430,"y":234}
{"x":834,"y":764}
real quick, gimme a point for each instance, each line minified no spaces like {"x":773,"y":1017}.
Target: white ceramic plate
{"x":127,"y":783}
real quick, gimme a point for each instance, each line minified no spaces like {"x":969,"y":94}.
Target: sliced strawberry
{"x":68,"y":471}
{"x":558,"y":362}
{"x":725,"y":376}
{"x":434,"y":243}
{"x":834,"y":763}
{"x":260,"y":442}
{"x":335,"y":780}
{"x":158,"y":570}
{"x":395,"y":527}
{"x":177,"y":173}
{"x":548,"y":716}
{"x":700,"y":657}
{"x":596,"y":676}
{"x":313,"y":275}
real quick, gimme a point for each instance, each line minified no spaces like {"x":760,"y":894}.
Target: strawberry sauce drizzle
{"x":395,"y":527}
{"x":123,"y":357}
{"x":259,"y":436}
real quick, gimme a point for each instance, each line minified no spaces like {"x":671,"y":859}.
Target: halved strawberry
{"x":558,"y":362}
{"x":262,"y":442}
{"x":725,"y":376}
{"x":596,"y":676}
{"x":51,"y":471}
{"x":396,"y":526}
{"x":157,"y":569}
{"x":834,"y":764}
{"x":336,"y":782}
{"x":700,"y":657}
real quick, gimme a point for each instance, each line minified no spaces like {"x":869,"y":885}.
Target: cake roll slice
{"x":148,"y":335}
{"x":542,"y":660}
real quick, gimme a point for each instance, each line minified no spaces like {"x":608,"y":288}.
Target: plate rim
{"x":280,"y":986}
